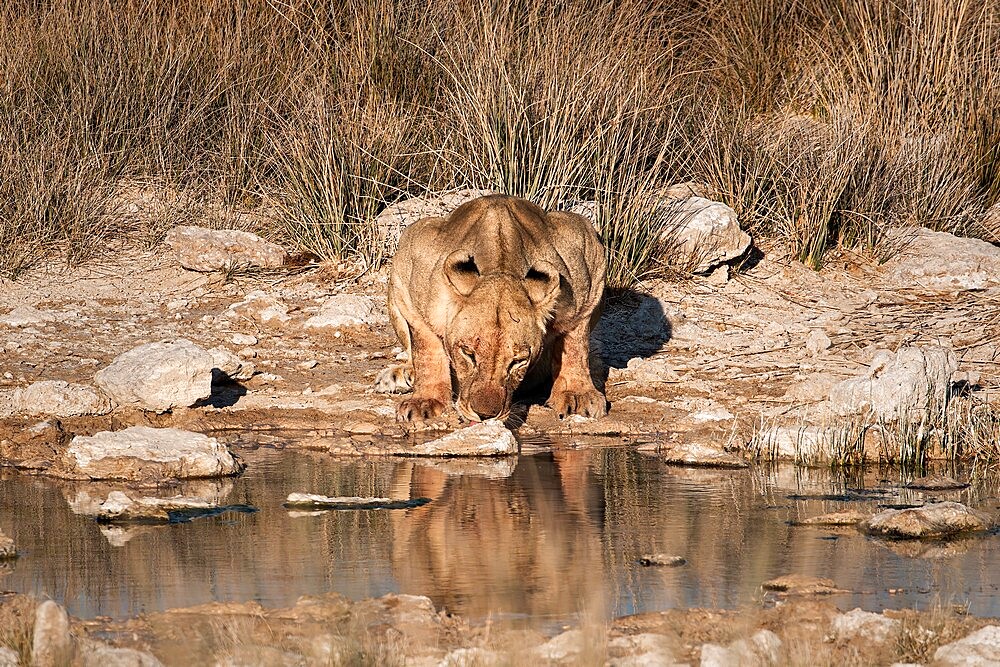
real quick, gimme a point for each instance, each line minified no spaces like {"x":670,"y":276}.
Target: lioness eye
{"x":468,"y":354}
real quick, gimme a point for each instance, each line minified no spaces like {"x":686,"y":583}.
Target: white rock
{"x":9,"y":657}
{"x":763,"y":648}
{"x":51,"y":644}
{"x":231,"y":365}
{"x":395,"y":218}
{"x":904,"y":385}
{"x":488,"y":438}
{"x":872,"y":627}
{"x":97,"y":654}
{"x":933,"y":520}
{"x":641,"y":650}
{"x":260,"y":307}
{"x":143,"y":454}
{"x":979,"y":649}
{"x":348,"y":310}
{"x":243,"y":339}
{"x":25,"y":316}
{"x":562,"y":647}
{"x":942,"y":261}
{"x":817,"y":341}
{"x":705,"y":231}
{"x":120,"y":505}
{"x":201,"y":249}
{"x":472,"y":657}
{"x":159,"y":376}
{"x":60,"y":399}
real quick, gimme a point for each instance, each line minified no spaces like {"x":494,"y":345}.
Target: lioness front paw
{"x":396,"y":379}
{"x":419,"y":409}
{"x":585,"y":403}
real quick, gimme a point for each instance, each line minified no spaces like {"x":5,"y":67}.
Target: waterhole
{"x":543,"y":537}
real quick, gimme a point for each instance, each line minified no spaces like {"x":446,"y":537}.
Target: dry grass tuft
{"x":822,"y":122}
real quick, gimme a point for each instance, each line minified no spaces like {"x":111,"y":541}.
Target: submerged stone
{"x":801,"y":584}
{"x":661,"y":560}
{"x":314,"y":501}
{"x":841,"y":518}
{"x":936,"y":483}
{"x":931,"y":521}
{"x":694,"y":454}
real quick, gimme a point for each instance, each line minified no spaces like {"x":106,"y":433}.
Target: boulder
{"x":943,"y":261}
{"x":159,"y":376}
{"x":936,"y":483}
{"x":395,"y":218}
{"x":705,"y":233}
{"x":51,"y":643}
{"x":700,"y":234}
{"x":9,"y":657}
{"x":979,"y":649}
{"x":907,"y":384}
{"x":201,"y":249}
{"x":60,"y":399}
{"x":934,"y":520}
{"x":144,"y":454}
{"x":348,"y":310}
{"x":488,"y":438}
{"x":860,"y":624}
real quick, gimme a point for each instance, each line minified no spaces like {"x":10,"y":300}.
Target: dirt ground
{"x":708,"y":359}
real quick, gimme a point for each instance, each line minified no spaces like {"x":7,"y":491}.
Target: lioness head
{"x":496,"y":332}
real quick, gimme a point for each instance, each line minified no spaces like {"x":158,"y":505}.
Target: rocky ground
{"x":800,"y":629}
{"x":139,"y":370}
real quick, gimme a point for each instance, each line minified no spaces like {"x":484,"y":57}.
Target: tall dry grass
{"x":822,"y":122}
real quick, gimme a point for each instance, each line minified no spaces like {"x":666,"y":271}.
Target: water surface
{"x":541,"y":537}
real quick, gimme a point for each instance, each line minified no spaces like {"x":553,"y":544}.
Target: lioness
{"x":495,"y":291}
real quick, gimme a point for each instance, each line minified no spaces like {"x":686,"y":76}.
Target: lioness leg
{"x":431,"y":377}
{"x":397,"y":378}
{"x":573,"y":390}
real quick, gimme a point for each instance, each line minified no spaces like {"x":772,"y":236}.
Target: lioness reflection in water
{"x":526,"y":544}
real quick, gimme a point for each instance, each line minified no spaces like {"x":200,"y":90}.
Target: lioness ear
{"x":461,"y":271}
{"x":542,"y":284}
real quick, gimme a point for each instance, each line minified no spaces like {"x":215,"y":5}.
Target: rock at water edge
{"x":159,"y":376}
{"x":488,"y":438}
{"x":144,"y":454}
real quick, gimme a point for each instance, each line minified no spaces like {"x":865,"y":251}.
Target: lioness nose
{"x":488,"y":403}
